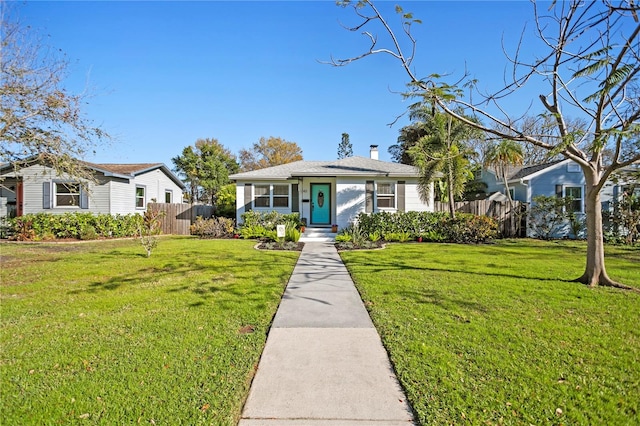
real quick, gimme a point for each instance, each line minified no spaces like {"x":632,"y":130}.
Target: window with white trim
{"x":280,"y":195}
{"x":267,"y":195}
{"x":168,"y":196}
{"x":141,"y":199}
{"x":385,"y":195}
{"x":67,"y":194}
{"x":261,"y":196}
{"x":575,"y":193}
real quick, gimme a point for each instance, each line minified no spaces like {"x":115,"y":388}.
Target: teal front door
{"x":320,"y":204}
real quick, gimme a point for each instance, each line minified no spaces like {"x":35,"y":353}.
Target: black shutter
{"x":46,"y":195}
{"x":559,"y":191}
{"x":295,"y":199}
{"x":247,"y":197}
{"x":368,"y":203}
{"x":400,"y":191}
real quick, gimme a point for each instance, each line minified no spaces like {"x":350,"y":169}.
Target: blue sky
{"x":163,"y":74}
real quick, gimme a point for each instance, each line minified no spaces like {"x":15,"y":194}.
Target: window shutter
{"x":247,"y":197}
{"x":295,"y":199}
{"x":559,"y":191}
{"x":368,"y":202}
{"x":84,"y":198}
{"x":46,"y":195}
{"x":400,"y":190}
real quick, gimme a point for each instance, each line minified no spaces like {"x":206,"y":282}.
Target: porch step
{"x":318,"y":235}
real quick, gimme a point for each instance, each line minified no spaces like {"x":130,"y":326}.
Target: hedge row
{"x":437,"y":227}
{"x":82,"y":226}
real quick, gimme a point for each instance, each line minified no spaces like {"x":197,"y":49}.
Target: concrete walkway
{"x":324,"y":363}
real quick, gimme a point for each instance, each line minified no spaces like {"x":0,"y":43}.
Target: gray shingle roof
{"x":350,"y":166}
{"x":522,"y":172}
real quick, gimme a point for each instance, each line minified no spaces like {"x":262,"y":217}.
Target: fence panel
{"x":179,"y":217}
{"x":510,"y":223}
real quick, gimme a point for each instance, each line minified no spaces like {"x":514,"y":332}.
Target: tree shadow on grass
{"x":378,"y":266}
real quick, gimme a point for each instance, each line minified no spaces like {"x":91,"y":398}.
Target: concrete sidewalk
{"x":324,"y":363}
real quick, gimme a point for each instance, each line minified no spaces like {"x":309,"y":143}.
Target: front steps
{"x":317,"y":235}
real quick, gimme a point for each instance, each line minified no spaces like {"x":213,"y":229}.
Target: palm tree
{"x":501,"y":157}
{"x":442,"y":152}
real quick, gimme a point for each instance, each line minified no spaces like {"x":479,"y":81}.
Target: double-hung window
{"x":67,"y":194}
{"x":141,"y":199}
{"x":280,"y":195}
{"x":575,"y":193}
{"x":267,"y":195}
{"x":386,"y":197}
{"x":262,"y":196}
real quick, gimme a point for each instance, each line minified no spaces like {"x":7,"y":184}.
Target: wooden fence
{"x":179,"y":217}
{"x":511,"y":223}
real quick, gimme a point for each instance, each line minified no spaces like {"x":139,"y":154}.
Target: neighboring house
{"x":562,"y":178}
{"x":118,"y":189}
{"x":331,"y":192}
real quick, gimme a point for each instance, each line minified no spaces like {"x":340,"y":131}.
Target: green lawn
{"x":497,"y":334}
{"x":97,"y":333}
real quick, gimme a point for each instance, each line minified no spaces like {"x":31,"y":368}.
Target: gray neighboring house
{"x":331,"y":192}
{"x":562,"y":178}
{"x":119,"y":189}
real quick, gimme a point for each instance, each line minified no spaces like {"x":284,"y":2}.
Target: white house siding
{"x":350,"y":200}
{"x":156,"y":182}
{"x":412,"y":198}
{"x":123,"y":196}
{"x":32,"y":181}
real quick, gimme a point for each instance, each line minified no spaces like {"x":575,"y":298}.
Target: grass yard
{"x":97,"y":333}
{"x":496,"y":334}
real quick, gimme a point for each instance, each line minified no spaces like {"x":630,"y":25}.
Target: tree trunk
{"x":452,"y":203}
{"x":595,"y":272}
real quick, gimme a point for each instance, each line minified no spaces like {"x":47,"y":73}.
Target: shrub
{"x":46,"y":226}
{"x":150,"y":228}
{"x":435,"y":227}
{"x":547,"y":217}
{"x":262,"y":225}
{"x":215,"y":227}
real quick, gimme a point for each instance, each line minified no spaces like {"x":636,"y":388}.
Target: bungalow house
{"x":331,"y":192}
{"x":562,"y":178}
{"x":36,"y":187}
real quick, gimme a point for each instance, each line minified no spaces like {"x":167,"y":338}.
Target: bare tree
{"x":39,"y":117}
{"x":589,"y":69}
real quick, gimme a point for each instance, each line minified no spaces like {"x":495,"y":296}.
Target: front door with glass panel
{"x":320,"y":204}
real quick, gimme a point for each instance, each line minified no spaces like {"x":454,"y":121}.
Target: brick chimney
{"x":374,"y":152}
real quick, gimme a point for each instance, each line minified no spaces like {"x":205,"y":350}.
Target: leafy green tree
{"x":205,"y":168}
{"x":587,"y":64}
{"x":345,"y":149}
{"x":268,"y":152}
{"x":501,"y":156}
{"x":39,"y":116}
{"x":226,"y":201}
{"x":442,"y":153}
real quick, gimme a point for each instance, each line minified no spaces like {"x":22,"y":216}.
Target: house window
{"x":168,"y":196}
{"x":141,"y":197}
{"x":280,"y":195}
{"x":261,"y":194}
{"x":575,"y":193}
{"x":67,"y":194}
{"x":386,"y":198}
{"x":271,"y":196}
{"x":512,"y":193}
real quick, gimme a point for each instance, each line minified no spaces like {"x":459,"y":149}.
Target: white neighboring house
{"x":118,"y":189}
{"x":331,"y":192}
